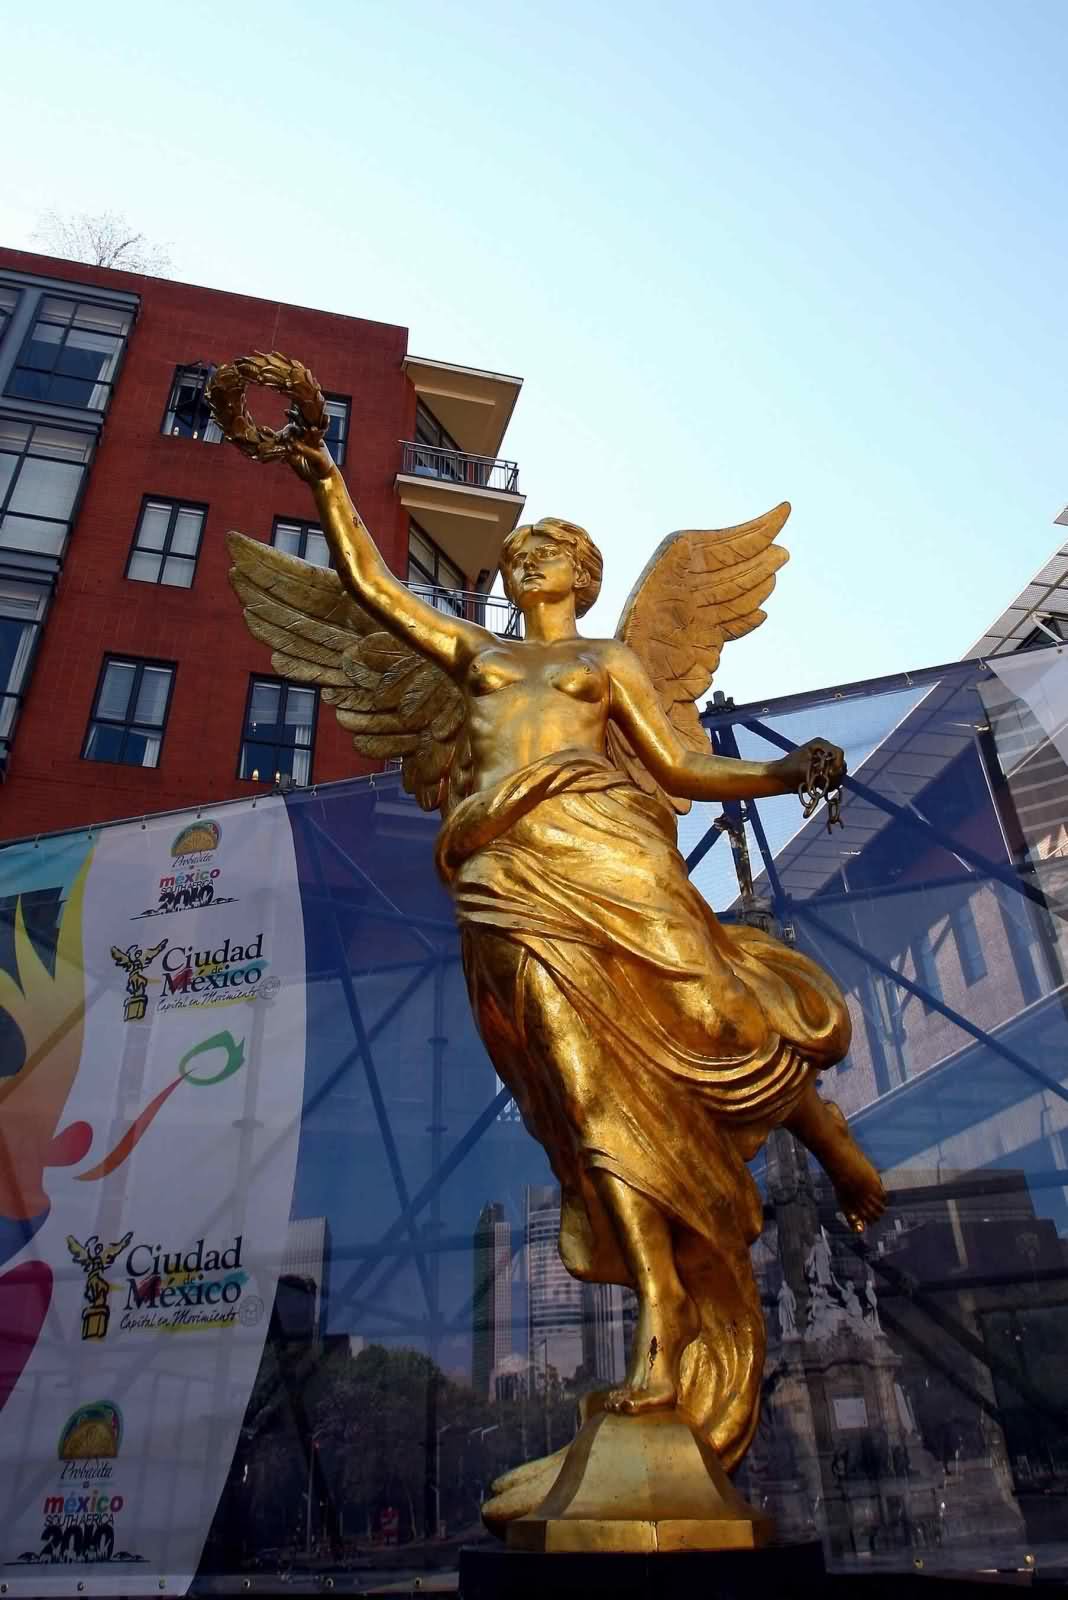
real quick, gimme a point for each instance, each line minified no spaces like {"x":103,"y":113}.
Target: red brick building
{"x":128,"y":683}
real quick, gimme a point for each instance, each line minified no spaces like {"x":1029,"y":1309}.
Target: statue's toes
{"x":528,"y":1469}
{"x":637,"y":1401}
{"x":524,"y":1496}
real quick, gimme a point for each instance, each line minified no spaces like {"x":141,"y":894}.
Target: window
{"x":882,"y":1017}
{"x":41,"y":472}
{"x":441,"y":456}
{"x":428,"y":430}
{"x":303,"y":539}
{"x":434,"y":453}
{"x":166,"y":543}
{"x":923,"y":958}
{"x":71,"y":354}
{"x":1054,"y":627}
{"x":338,"y":430}
{"x":1024,"y":943}
{"x":129,"y":712}
{"x":279,"y":732}
{"x":432,"y":574}
{"x":188,"y":413}
{"x":22,"y":606}
{"x":969,"y":945}
{"x":8,"y":301}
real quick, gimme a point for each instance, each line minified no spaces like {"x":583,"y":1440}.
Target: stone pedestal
{"x":778,"y":1572}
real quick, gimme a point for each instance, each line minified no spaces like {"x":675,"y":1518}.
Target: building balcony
{"x":467,"y":503}
{"x":456,"y":467}
{"x":473,"y":405}
{"x":493,"y":611}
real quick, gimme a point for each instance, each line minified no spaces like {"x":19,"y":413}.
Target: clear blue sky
{"x":739,"y":253}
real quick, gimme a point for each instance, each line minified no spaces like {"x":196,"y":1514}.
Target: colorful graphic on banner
{"x":148,"y":1147}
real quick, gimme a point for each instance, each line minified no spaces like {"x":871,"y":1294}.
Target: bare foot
{"x":652,"y":1381}
{"x":524,"y":1489}
{"x":856,"y":1183}
{"x":528,"y":1470}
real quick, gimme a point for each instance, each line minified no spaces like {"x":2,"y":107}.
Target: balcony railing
{"x":453,"y":466}
{"x":492,"y":611}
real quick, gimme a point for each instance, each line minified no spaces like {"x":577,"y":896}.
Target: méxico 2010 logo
{"x":193,"y":883}
{"x":81,"y":1508}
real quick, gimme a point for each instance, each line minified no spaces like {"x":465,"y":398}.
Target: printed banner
{"x":151,"y":1078}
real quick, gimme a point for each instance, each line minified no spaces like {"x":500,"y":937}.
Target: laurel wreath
{"x":226,"y":396}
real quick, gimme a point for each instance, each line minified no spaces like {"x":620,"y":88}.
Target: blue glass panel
{"x":916,"y":1396}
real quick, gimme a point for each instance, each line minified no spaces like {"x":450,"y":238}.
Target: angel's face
{"x":539,"y":570}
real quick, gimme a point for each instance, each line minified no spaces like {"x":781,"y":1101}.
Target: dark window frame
{"x":883,"y":1027}
{"x":442,"y":594}
{"x":969,"y":943}
{"x":340,"y":452}
{"x":165,"y":553}
{"x":431,"y":432}
{"x":432,"y":579}
{"x":139,"y":663}
{"x":925,"y":965}
{"x":256,"y":678}
{"x":205,"y":371}
{"x":305,"y":528}
{"x":41,"y":316}
{"x":36,"y":625}
{"x":1017,"y":924}
{"x":8,"y":312}
{"x":25,"y":452}
{"x":1056,"y":627}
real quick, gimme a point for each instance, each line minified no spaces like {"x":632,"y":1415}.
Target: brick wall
{"x":97,"y":611}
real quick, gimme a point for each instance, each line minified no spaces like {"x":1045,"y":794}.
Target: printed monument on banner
{"x":94,"y":1259}
{"x":135,"y":962}
{"x":649,"y":1049}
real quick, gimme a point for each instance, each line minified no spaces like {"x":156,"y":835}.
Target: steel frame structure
{"x":414,"y":1233}
{"x":375,"y":1266}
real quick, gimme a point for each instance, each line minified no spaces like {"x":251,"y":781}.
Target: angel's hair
{"x":589,"y":564}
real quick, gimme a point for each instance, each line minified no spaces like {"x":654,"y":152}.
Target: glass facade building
{"x":424,"y":1338}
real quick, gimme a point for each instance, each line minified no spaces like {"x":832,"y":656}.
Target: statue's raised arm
{"x":446,"y":640}
{"x":384,"y":659}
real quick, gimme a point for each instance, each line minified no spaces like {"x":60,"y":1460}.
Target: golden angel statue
{"x":649,"y":1049}
{"x":94,"y":1258}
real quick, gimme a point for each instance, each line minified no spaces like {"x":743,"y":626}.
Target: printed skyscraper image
{"x":491,"y":1310}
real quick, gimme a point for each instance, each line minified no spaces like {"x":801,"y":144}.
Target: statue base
{"x":640,"y":1485}
{"x":785,"y":1572}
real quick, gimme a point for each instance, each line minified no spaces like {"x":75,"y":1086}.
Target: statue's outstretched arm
{"x":447,"y":640}
{"x":690,"y":774}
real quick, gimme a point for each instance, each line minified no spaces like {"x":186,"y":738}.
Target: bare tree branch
{"x":103,"y":239}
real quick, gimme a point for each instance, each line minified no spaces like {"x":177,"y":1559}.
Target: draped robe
{"x":639,"y":1037}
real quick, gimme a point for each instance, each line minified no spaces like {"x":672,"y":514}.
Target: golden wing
{"x":121,"y":959}
{"x":113,"y":1251}
{"x":701,"y":587}
{"x":78,"y":1251}
{"x":393,"y":701}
